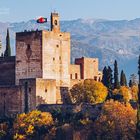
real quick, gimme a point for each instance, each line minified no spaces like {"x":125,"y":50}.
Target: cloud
{"x":4,"y":11}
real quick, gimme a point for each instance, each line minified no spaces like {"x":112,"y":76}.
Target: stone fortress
{"x":41,"y":72}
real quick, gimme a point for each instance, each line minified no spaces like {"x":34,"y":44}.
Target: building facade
{"x":41,"y":72}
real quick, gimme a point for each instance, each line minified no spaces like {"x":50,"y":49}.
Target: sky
{"x":23,"y":10}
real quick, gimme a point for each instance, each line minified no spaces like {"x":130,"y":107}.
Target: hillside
{"x":105,"y":39}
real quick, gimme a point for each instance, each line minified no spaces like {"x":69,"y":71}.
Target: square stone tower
{"x":44,"y":54}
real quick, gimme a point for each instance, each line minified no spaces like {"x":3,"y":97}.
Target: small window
{"x":60,"y":58}
{"x":53,"y":59}
{"x":28,"y":47}
{"x":57,"y":46}
{"x":46,"y":90}
{"x":71,"y":76}
{"x":76,"y":76}
{"x":29,"y":89}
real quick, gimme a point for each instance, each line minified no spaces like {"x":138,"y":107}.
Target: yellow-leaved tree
{"x":125,"y":92}
{"x":33,"y":125}
{"x":116,"y":122}
{"x":134,"y":92}
{"x":89,"y":91}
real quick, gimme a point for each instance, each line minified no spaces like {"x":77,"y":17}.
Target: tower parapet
{"x":55,"y":24}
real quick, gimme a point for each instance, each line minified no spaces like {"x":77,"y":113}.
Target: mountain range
{"x":105,"y":39}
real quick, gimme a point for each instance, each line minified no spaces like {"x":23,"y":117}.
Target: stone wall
{"x":56,"y":57}
{"x":89,"y":68}
{"x":7,"y":70}
{"x":28,"y":55}
{"x":10,"y":101}
{"x":75,"y":72}
{"x":28,"y":89}
{"x":45,"y":91}
{"x":37,"y":91}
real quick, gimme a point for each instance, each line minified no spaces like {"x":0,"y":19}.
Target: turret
{"x":55,"y":24}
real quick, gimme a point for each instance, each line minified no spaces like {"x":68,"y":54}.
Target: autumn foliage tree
{"x":125,"y":92}
{"x":32,"y":125}
{"x":89,"y":91}
{"x":134,"y":92}
{"x":116,"y":122}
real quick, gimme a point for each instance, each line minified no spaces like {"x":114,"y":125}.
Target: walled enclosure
{"x":41,"y":72}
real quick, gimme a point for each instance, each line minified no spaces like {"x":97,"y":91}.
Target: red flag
{"x":41,"y":20}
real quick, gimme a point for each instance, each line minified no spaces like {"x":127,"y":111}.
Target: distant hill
{"x":105,"y":39}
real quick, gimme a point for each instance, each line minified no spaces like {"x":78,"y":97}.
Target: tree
{"x":8,"y":48}
{"x":138,"y":112}
{"x":33,"y":124}
{"x":123,"y":81}
{"x":116,"y":79}
{"x":134,"y":92}
{"x":130,"y":83}
{"x":125,"y":92}
{"x":133,"y":79}
{"x":104,"y":78}
{"x":116,"y":122}
{"x":89,"y":91}
{"x":107,"y":77}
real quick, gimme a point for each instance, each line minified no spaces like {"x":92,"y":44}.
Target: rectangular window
{"x":60,"y":58}
{"x":71,"y":76}
{"x":76,"y":76}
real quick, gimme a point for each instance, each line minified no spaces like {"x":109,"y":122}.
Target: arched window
{"x":55,"y":22}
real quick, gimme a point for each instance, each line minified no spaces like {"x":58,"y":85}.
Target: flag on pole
{"x":41,"y":20}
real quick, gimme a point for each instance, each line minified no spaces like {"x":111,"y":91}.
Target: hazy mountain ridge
{"x":105,"y":39}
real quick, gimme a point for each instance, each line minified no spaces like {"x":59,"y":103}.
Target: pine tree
{"x":138,"y":112}
{"x":123,"y":81}
{"x":116,"y":79}
{"x":8,"y":48}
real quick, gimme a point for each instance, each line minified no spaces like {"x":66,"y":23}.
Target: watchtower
{"x":55,"y":24}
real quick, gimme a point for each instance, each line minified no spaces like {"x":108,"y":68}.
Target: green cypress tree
{"x":138,"y":112}
{"x":8,"y":48}
{"x":130,"y":83}
{"x":116,"y":79}
{"x":104,"y":78}
{"x":123,"y":81}
{"x":109,"y":78}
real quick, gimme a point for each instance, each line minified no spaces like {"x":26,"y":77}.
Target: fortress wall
{"x":28,"y":55}
{"x":75,"y":72}
{"x":7,"y":70}
{"x":10,"y":101}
